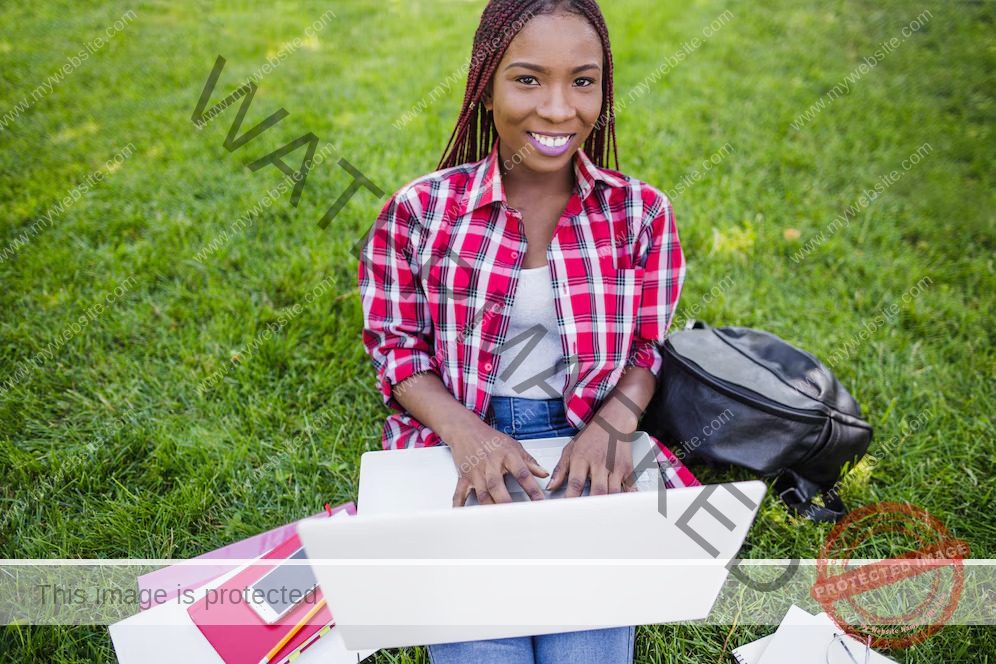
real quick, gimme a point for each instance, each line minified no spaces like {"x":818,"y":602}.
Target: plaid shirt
{"x":438,"y":276}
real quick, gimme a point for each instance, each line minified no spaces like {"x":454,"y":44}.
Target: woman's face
{"x":546,"y":93}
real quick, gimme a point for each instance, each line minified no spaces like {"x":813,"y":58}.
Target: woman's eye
{"x":520,"y":79}
{"x":587,"y":81}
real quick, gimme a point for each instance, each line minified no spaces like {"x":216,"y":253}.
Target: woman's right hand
{"x":482,"y":456}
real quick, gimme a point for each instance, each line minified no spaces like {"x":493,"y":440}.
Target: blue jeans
{"x":525,"y":419}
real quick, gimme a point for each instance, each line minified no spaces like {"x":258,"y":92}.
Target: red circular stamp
{"x":863,"y":600}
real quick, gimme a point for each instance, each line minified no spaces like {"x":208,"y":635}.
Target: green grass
{"x":109,"y":450}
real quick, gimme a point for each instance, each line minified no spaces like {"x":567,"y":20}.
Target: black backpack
{"x":738,"y":396}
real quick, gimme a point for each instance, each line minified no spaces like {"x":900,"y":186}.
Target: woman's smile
{"x":552,"y":145}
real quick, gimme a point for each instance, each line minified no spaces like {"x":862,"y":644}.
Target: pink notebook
{"x":234,"y":629}
{"x":170,"y":581}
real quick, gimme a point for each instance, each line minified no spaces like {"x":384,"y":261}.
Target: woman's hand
{"x":482,"y":456}
{"x":587,"y":454}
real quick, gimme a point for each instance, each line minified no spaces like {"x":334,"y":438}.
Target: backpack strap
{"x":832,"y":511}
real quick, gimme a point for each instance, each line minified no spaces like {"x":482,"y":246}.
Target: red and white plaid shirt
{"x":438,"y":275}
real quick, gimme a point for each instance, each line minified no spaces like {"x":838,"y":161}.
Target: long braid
{"x":474,"y":134}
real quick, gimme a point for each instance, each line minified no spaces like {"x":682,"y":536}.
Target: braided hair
{"x":475,"y":132}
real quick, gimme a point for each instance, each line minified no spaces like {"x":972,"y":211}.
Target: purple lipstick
{"x":552,"y":145}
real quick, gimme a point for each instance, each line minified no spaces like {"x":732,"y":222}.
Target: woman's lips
{"x":552,"y":145}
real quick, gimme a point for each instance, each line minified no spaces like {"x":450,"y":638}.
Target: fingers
{"x":523,"y":474}
{"x":479,"y":485}
{"x":577,"y":477}
{"x":534,"y":467}
{"x":560,"y":470}
{"x":615,"y":483}
{"x":555,"y":478}
{"x":599,"y":481}
{"x":463,"y":488}
{"x":494,"y":485}
{"x":488,"y":480}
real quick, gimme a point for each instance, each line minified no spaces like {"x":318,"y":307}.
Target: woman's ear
{"x":487,"y":97}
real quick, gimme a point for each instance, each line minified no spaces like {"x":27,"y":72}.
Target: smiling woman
{"x":552,"y":105}
{"x":520,"y":216}
{"x":587,"y":39}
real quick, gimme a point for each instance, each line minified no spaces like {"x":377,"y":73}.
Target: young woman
{"x":521,"y":291}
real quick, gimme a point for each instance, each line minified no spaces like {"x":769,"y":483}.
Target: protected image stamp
{"x":888,"y":599}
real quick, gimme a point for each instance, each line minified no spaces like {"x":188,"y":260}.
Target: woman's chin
{"x":549,"y":165}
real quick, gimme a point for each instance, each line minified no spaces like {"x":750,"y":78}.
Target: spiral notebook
{"x":801,"y":638}
{"x":751,"y":652}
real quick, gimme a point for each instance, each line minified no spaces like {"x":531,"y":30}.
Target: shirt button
{"x":487,"y":367}
{"x":515,"y":254}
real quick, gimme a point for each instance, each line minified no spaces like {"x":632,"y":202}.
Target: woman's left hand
{"x":587,"y":454}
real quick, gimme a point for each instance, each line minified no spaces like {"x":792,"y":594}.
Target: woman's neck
{"x":519,"y":180}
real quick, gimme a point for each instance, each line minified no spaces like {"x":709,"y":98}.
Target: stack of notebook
{"x":240,"y":636}
{"x":164,"y":633}
{"x":803,"y":638}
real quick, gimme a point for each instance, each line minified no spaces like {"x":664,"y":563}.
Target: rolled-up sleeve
{"x":397,"y":325}
{"x":659,"y":253}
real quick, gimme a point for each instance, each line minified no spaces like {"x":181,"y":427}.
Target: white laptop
{"x":409,"y":569}
{"x":425,"y":478}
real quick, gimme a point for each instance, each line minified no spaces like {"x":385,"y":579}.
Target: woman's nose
{"x":557,"y":107}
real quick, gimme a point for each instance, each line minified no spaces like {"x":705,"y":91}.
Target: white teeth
{"x":550,"y":141}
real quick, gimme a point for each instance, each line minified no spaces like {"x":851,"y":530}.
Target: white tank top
{"x":533,"y":305}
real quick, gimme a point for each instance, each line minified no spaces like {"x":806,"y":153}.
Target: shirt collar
{"x":486,"y":185}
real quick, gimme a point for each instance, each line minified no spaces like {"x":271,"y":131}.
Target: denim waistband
{"x":531,"y":418}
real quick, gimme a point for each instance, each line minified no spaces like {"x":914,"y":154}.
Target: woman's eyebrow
{"x":543,"y":70}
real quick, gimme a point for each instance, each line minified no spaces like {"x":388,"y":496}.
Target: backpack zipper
{"x":746,"y":397}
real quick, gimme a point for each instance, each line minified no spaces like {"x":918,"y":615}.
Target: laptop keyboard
{"x":548,"y":458}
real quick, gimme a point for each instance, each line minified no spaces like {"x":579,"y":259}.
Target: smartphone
{"x":281,"y":589}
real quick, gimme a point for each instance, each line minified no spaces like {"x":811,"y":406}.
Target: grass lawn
{"x":137,"y":436}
